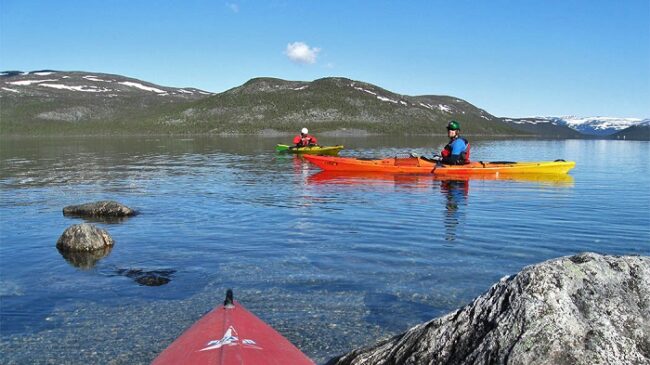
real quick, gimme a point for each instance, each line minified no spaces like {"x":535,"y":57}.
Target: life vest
{"x":463,"y":158}
{"x":307,"y":140}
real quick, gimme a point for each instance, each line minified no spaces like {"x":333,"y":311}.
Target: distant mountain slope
{"x":330,"y":104}
{"x":541,"y":126}
{"x":639,"y":132}
{"x":50,"y":101}
{"x":56,"y":102}
{"x":598,"y":126}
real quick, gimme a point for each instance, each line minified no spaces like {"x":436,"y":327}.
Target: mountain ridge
{"x":70,"y":102}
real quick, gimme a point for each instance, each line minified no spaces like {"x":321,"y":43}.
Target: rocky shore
{"x":583,"y":309}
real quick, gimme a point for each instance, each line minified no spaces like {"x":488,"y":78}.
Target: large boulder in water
{"x":104,"y":208}
{"x":84,"y":237}
{"x":583,"y":309}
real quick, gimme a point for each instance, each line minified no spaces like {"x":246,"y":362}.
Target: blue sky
{"x":511,"y":58}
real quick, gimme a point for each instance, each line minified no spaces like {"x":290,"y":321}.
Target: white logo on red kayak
{"x":229,"y":339}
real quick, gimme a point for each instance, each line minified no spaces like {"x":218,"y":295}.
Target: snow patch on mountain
{"x":95,"y":78}
{"x":29,"y":82}
{"x":598,"y":126}
{"x":601,"y":122}
{"x":142,"y":87}
{"x":92,"y":89}
{"x":382,"y":98}
{"x":532,"y":120}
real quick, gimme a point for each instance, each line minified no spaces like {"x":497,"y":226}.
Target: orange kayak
{"x":418,"y":165}
{"x":231,"y":335}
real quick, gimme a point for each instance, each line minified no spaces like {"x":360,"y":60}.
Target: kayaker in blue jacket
{"x":456,"y":152}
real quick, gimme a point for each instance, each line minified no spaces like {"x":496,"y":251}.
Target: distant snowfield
{"x":95,"y":78}
{"x":379,"y":97}
{"x":92,"y":89}
{"x":442,"y":107}
{"x":142,"y":87}
{"x":29,"y":82}
{"x":529,"y":121}
{"x":601,"y":122}
{"x":598,"y":126}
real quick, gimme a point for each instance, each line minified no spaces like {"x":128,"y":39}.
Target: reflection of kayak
{"x":417,"y":165}
{"x":365,"y":178}
{"x":311,"y":150}
{"x":228,"y":335}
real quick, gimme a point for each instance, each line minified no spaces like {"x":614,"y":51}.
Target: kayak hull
{"x":417,"y":165}
{"x":425,"y":180}
{"x":231,"y":335}
{"x":310,"y":150}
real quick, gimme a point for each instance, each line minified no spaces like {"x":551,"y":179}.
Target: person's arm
{"x":312,"y":140}
{"x":458,"y":146}
{"x":297,"y":141}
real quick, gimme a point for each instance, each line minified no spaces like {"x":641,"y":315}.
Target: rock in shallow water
{"x":583,"y":309}
{"x":104,"y":208}
{"x":148,"y":278}
{"x":84,"y":237}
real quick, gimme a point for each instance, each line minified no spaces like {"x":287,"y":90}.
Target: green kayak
{"x":311,"y":150}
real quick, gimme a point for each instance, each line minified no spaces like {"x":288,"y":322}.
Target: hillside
{"x":638,"y":132}
{"x":46,"y":102}
{"x":549,"y":127}
{"x":329,"y":104}
{"x":82,"y":103}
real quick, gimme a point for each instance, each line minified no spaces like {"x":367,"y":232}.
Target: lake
{"x":331,"y":262}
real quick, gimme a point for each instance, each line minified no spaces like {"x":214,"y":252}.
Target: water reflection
{"x":85,"y":260}
{"x":456,"y":193}
{"x":454,"y":189}
{"x":426,"y":180}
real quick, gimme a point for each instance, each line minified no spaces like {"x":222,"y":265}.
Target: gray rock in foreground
{"x":104,"y":208}
{"x":84,"y":237}
{"x":583,"y":309}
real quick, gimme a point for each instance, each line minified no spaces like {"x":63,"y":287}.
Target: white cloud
{"x":234,"y":7}
{"x":300,"y":52}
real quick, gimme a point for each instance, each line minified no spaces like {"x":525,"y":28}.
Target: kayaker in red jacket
{"x":304,"y":139}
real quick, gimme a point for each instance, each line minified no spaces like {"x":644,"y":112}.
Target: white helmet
{"x":304,"y":131}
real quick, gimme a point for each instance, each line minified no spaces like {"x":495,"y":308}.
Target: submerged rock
{"x":583,"y":309}
{"x":84,"y":237}
{"x":148,"y":278}
{"x":104,"y":208}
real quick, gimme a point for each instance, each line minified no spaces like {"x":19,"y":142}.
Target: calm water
{"x":332,"y":262}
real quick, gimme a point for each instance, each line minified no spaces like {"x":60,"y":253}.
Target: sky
{"x":511,"y":58}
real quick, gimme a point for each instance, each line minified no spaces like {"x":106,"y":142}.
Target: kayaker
{"x":456,"y":152}
{"x":304,"y":139}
